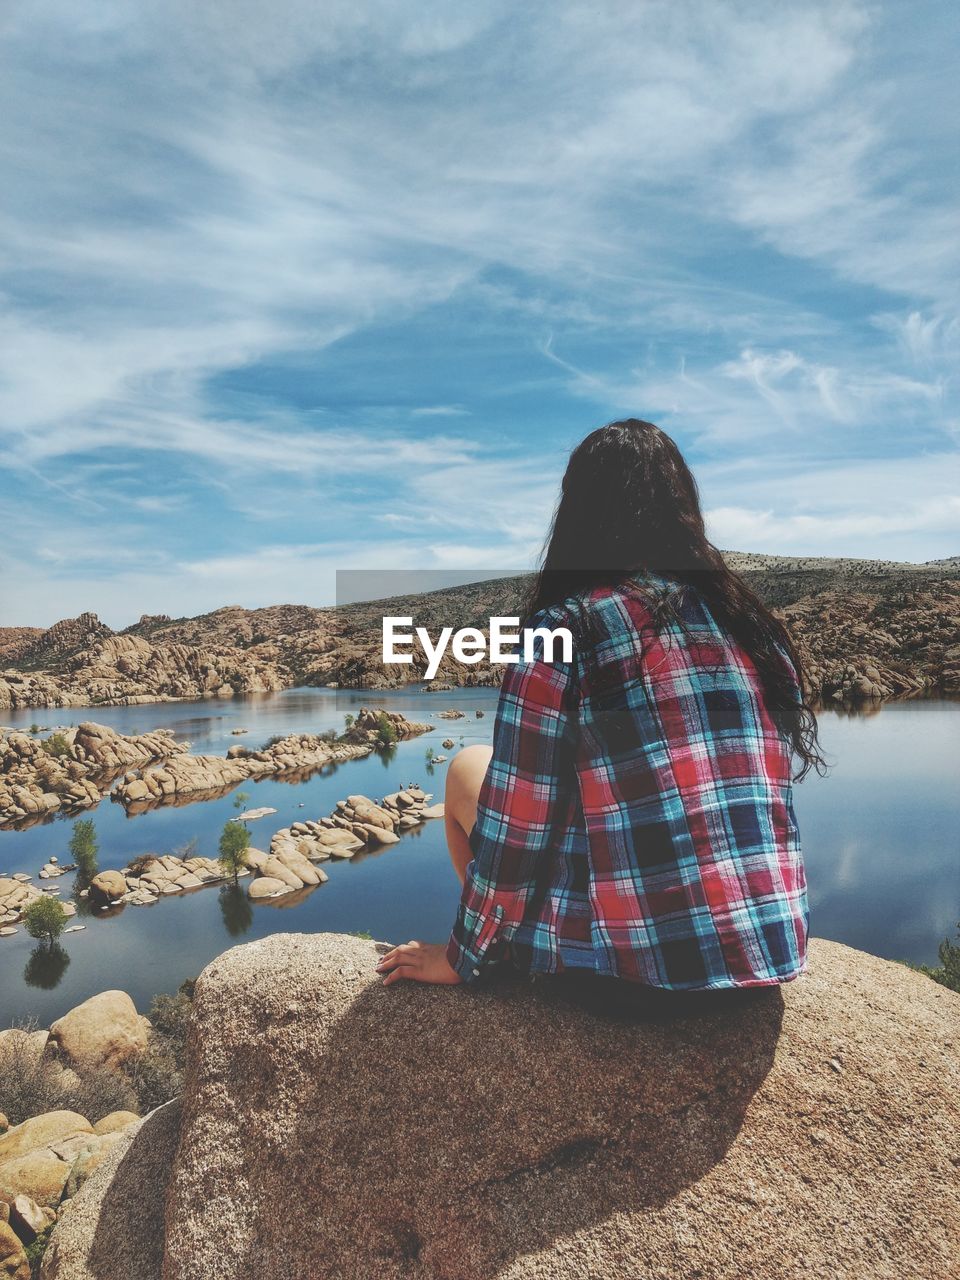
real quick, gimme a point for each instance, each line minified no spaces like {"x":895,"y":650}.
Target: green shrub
{"x":35,"y":1251}
{"x":56,"y":745}
{"x":45,"y":918}
{"x":240,"y":799}
{"x":386,"y":730}
{"x":948,"y":972}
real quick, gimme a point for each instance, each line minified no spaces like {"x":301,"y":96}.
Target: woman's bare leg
{"x":464,"y":780}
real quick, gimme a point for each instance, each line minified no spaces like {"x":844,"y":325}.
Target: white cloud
{"x":709,"y":214}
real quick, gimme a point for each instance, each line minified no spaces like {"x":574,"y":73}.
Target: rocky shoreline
{"x":868,"y":629}
{"x":74,"y":769}
{"x":356,"y":824}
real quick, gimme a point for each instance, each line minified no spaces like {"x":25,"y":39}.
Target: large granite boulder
{"x":332,"y":1127}
{"x":104,"y":1031}
{"x":113,"y":1228}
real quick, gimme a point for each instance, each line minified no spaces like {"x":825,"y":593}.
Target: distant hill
{"x":866,"y":628}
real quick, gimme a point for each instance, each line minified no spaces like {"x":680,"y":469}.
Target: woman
{"x":634,"y":817}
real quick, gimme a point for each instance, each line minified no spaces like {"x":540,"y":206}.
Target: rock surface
{"x":104,"y":1031}
{"x":120,"y":1192}
{"x":433,"y":1133}
{"x":36,"y":1157}
{"x":13,"y":1259}
{"x":356,"y":824}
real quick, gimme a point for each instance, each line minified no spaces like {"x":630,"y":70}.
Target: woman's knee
{"x":465,"y":776}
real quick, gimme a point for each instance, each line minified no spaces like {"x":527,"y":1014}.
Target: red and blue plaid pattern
{"x":637,"y":815}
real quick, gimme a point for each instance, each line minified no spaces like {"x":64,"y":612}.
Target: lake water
{"x":881,"y":837}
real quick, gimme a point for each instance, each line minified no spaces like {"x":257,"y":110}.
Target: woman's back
{"x":636,"y":818}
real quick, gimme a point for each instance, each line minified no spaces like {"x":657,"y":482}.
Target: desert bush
{"x":157,"y":1074}
{"x":29,"y":1083}
{"x":56,"y":745}
{"x":34,"y":1081}
{"x":45,"y":918}
{"x":138,"y":865}
{"x":98,"y":1091}
{"x":948,"y":972}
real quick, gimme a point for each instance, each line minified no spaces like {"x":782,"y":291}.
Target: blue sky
{"x":294,"y":288}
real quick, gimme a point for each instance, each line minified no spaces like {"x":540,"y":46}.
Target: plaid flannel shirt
{"x":636,"y":817}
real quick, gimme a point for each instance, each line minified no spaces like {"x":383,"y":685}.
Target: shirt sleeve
{"x":523,"y":799}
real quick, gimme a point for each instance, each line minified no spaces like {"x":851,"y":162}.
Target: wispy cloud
{"x":273,"y":281}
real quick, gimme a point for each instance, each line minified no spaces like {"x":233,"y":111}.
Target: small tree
{"x":348,"y":720}
{"x":234,"y":843}
{"x":45,"y":918}
{"x":187,"y":850}
{"x":84,"y":848}
{"x":240,"y":799}
{"x":386,"y":730}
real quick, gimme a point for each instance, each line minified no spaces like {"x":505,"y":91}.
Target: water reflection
{"x":46,"y":966}
{"x":236,"y":909}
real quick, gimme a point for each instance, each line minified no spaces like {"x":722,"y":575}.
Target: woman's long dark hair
{"x":630,"y":504}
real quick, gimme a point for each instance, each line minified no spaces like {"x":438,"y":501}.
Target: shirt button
{"x":476,"y":973}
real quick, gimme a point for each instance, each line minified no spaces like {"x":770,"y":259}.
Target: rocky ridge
{"x":902,"y":620}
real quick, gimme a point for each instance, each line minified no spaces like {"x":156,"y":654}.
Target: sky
{"x":289,"y":289}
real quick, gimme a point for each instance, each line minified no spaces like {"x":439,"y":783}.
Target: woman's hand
{"x":418,"y":961}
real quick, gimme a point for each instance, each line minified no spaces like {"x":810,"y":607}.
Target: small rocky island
{"x":356,"y":824}
{"x":73,"y":769}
